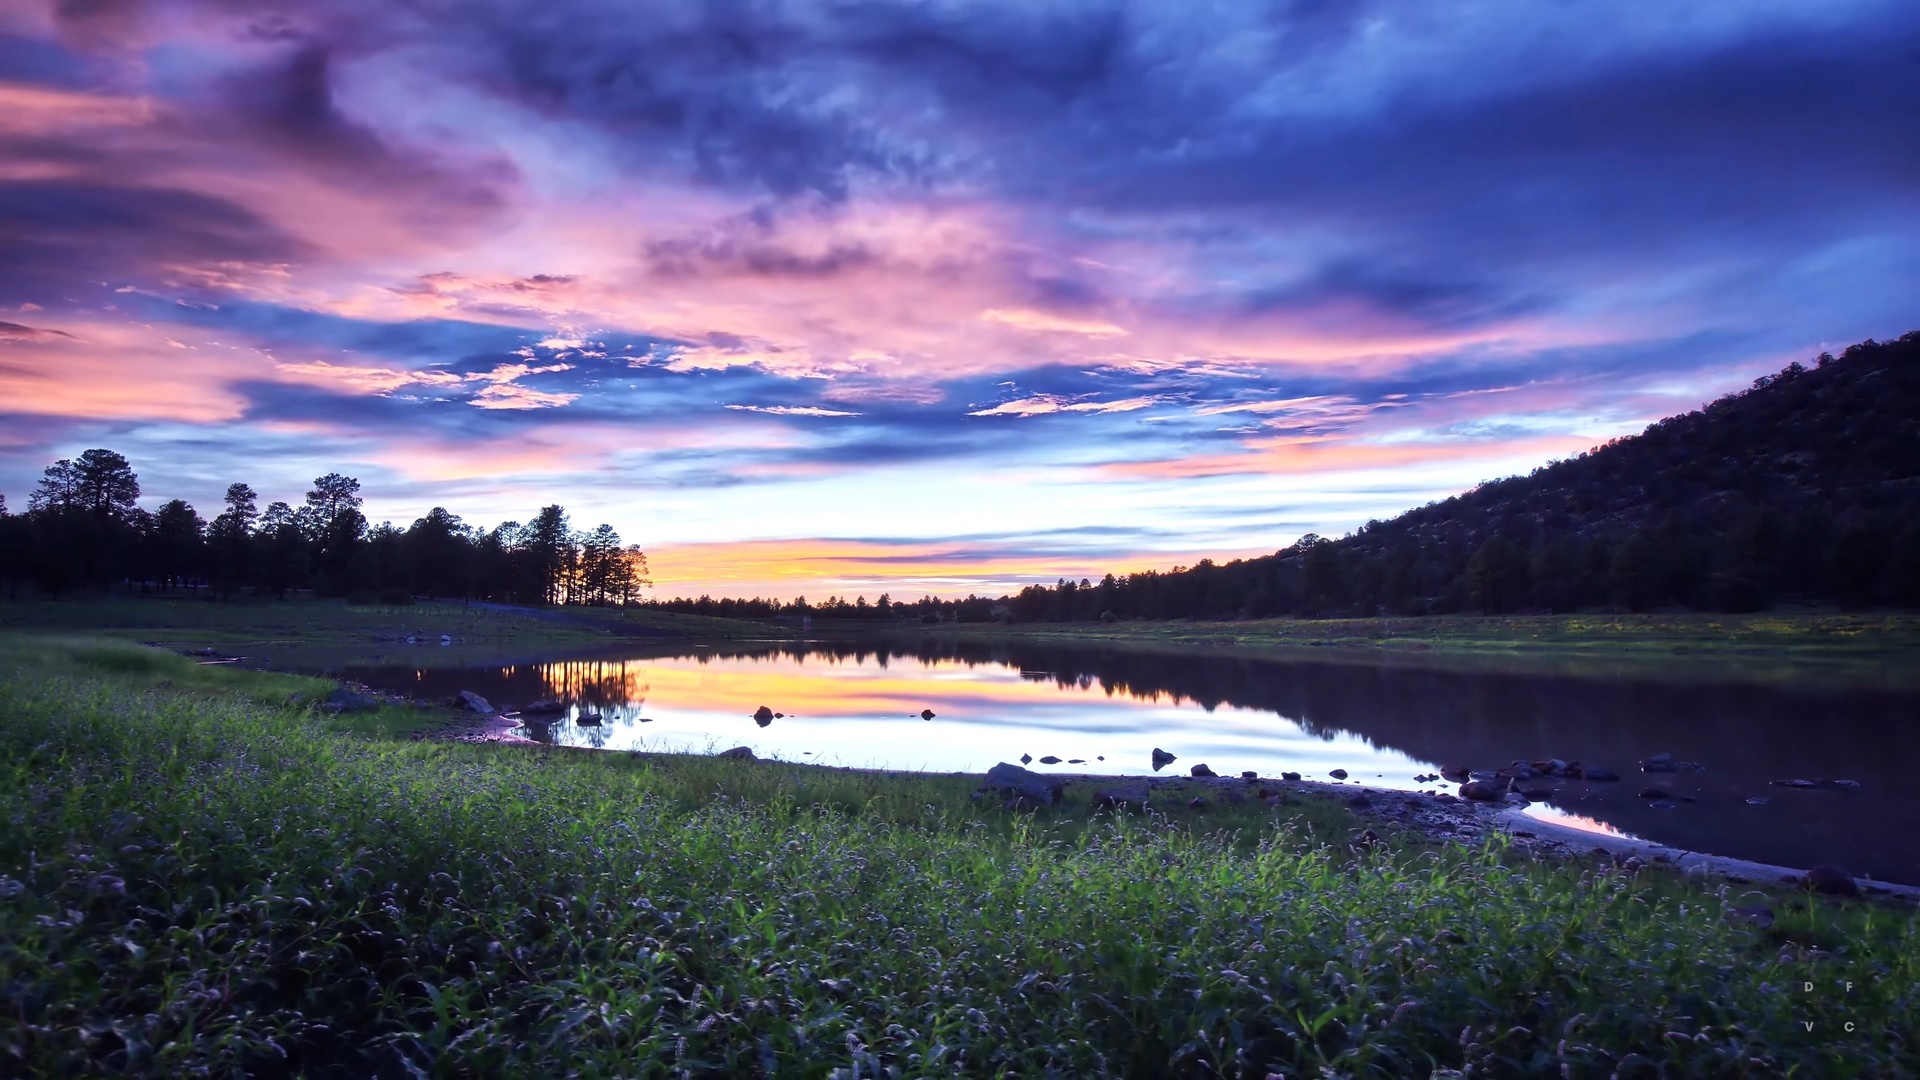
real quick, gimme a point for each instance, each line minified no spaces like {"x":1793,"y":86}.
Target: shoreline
{"x":1434,"y":816}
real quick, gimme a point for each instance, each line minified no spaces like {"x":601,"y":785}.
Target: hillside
{"x":1804,"y":488}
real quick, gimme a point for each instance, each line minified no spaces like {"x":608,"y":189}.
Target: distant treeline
{"x":1803,"y":488}
{"x":926,"y":609}
{"x":83,"y":529}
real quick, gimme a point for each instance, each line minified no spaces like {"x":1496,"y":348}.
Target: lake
{"x":1106,"y":709}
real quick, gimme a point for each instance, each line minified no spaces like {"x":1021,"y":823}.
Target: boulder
{"x":926,"y":714}
{"x":1456,"y":773}
{"x":738,"y":753}
{"x":1289,"y":776}
{"x":1484,"y":790}
{"x":1830,"y":879}
{"x":1338,"y":774}
{"x":344,"y":699}
{"x":1121,"y":797}
{"x":1161,"y":759}
{"x":546,"y":706}
{"x":1201,"y":770}
{"x":1249,"y":774}
{"x":476,"y":703}
{"x":588,"y":719}
{"x":1026,"y":759}
{"x":1022,"y":783}
{"x":1050,"y":760}
{"x":763,"y":715}
{"x":1658,"y":763}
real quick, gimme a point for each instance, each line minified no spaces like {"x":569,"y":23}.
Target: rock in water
{"x":1338,"y":774}
{"x":1658,"y":763}
{"x":1162,"y":759}
{"x":547,"y":706}
{"x":1022,"y":783}
{"x":589,"y":719}
{"x":1049,"y":760}
{"x":1830,"y":879}
{"x":1484,"y":790}
{"x":926,"y":714}
{"x":1201,"y":770}
{"x":476,"y":703}
{"x":738,"y":753}
{"x":1589,"y":773}
{"x":763,"y":715}
{"x":1289,"y":776}
{"x":1026,"y":759}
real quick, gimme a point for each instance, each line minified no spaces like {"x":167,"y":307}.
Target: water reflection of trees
{"x":601,"y":684}
{"x":1434,"y":713}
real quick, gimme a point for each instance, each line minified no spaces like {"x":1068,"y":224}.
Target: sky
{"x":844,"y":298}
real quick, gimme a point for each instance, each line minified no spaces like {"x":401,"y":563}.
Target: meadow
{"x":1832,"y":648}
{"x":201,"y":875}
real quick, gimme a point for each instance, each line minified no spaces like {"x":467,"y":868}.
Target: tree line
{"x":1802,"y":489}
{"x":83,"y":528}
{"x":927,"y":609}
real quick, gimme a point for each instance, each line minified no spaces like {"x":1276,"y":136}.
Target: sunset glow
{"x":924,"y":298}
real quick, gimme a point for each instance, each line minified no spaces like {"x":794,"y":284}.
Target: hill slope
{"x":1803,"y":488}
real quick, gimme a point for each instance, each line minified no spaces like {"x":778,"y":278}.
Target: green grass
{"x":201,"y":878}
{"x":1867,"y":649}
{"x":250,"y":621}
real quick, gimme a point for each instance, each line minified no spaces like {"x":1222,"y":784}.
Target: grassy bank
{"x":1882,"y":649}
{"x":202,"y":878}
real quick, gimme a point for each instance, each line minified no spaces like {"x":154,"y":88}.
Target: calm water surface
{"x":860,"y":706}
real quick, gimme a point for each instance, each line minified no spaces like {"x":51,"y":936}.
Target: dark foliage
{"x":84,"y":530}
{"x":1803,"y":488}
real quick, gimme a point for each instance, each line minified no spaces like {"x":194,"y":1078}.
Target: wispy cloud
{"x":1266,"y":256}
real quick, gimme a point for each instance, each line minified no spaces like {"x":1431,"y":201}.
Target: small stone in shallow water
{"x":1049,"y":760}
{"x":1338,"y":774}
{"x":926,"y":714}
{"x":1076,"y":761}
{"x":1758,"y":800}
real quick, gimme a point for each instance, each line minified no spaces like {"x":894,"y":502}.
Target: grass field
{"x":198,"y":877}
{"x":327,"y":634}
{"x":1877,"y":649}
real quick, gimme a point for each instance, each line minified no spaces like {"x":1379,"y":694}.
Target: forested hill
{"x":1803,"y":488}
